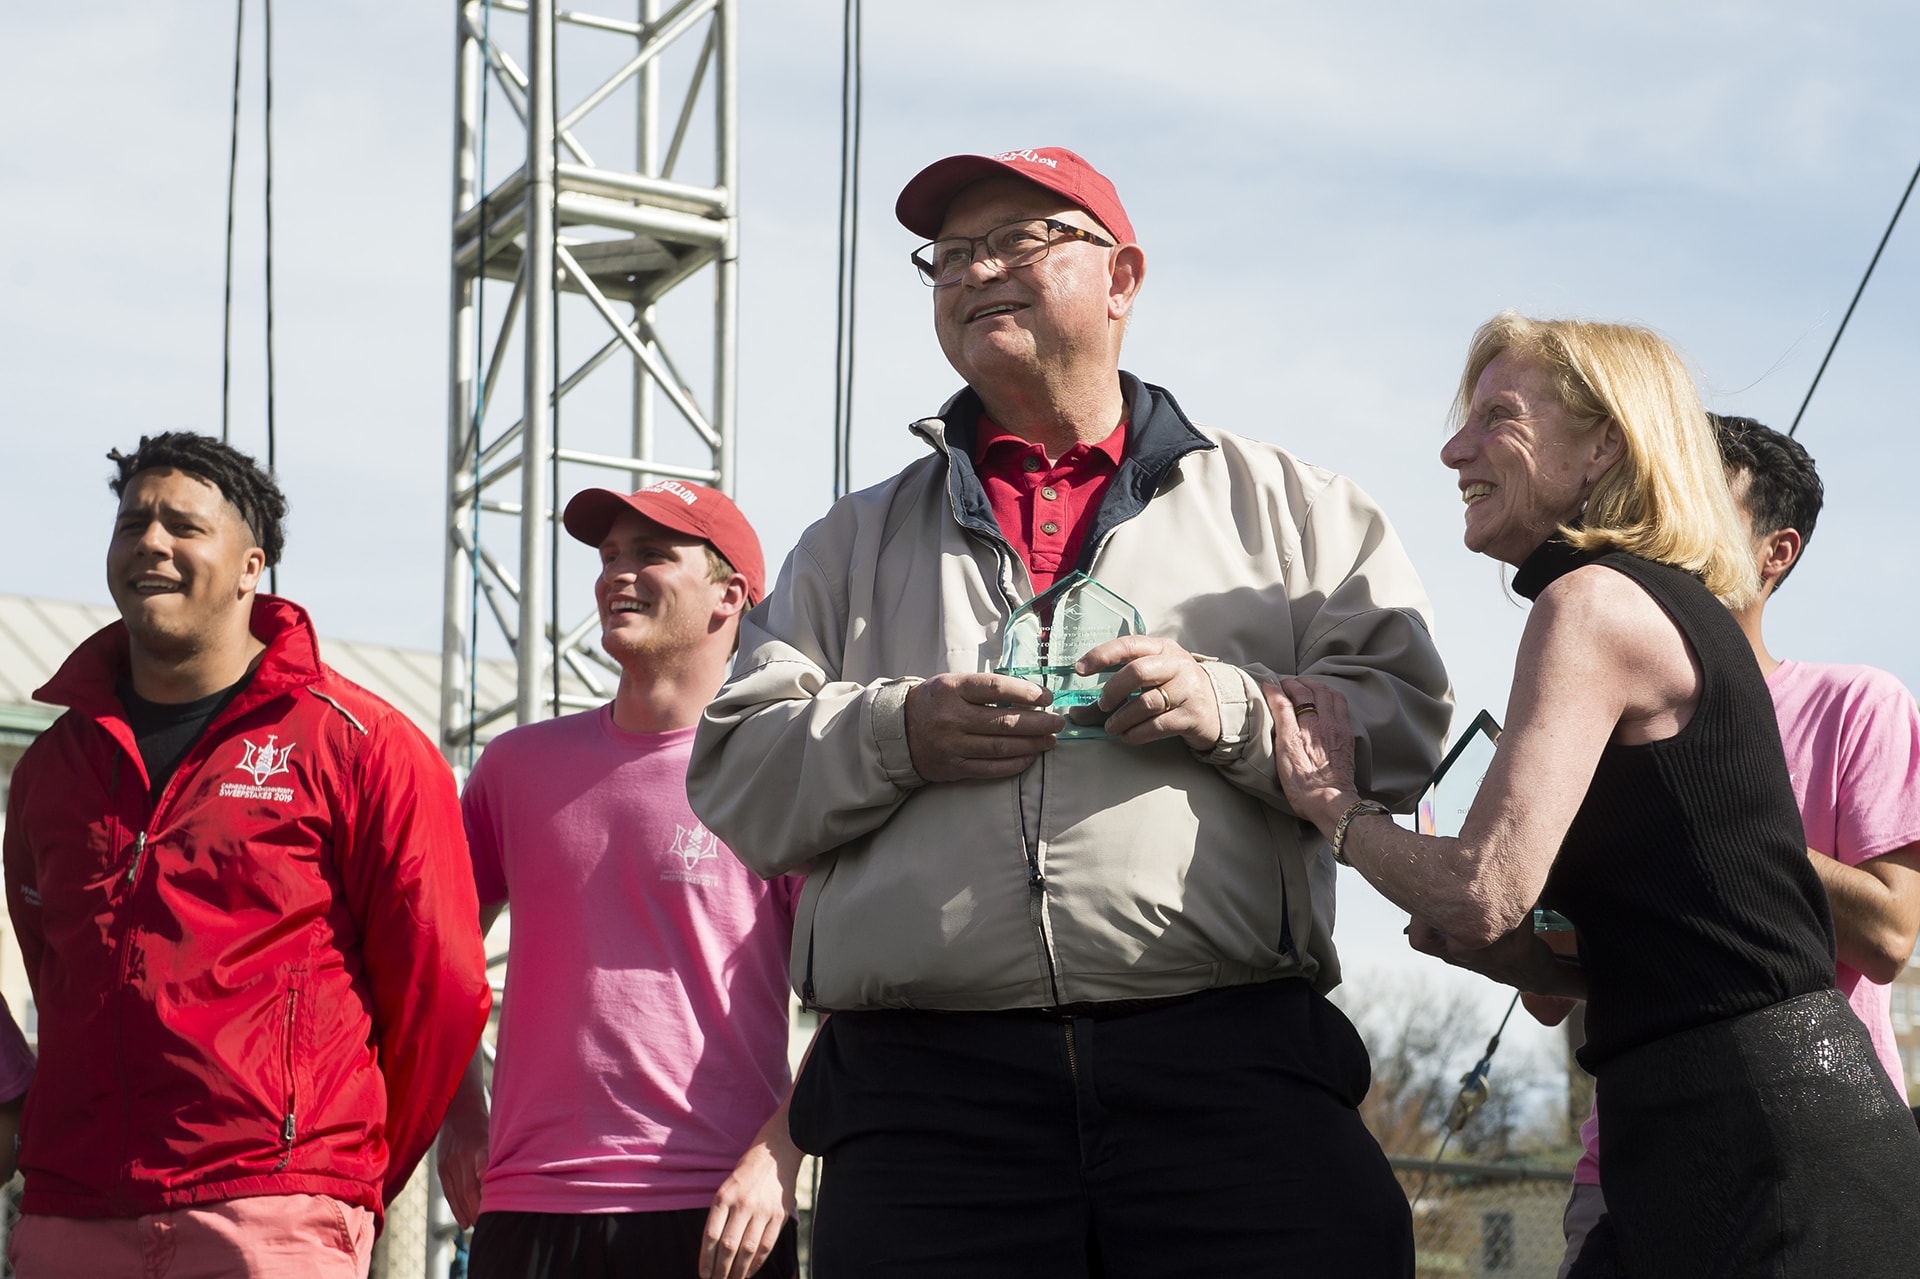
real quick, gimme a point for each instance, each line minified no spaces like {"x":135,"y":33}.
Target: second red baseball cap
{"x":694,"y":509}
{"x":923,"y":202}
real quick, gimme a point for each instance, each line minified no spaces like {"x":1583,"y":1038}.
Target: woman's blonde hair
{"x":1666,"y":499}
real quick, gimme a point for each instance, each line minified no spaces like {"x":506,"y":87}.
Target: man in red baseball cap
{"x":703,"y":513}
{"x":1078,"y":983}
{"x":923,"y":203}
{"x":638,"y":1121}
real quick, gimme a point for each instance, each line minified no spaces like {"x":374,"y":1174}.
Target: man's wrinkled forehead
{"x":992,"y":201}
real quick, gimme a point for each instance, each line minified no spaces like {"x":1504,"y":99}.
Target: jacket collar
{"x":1158,"y":436}
{"x":86,"y":681}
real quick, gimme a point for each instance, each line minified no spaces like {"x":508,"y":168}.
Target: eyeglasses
{"x":1017,"y":244}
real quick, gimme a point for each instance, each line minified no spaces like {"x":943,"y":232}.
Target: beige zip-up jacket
{"x":1105,"y":871}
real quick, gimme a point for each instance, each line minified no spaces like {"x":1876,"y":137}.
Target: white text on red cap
{"x":676,"y":488}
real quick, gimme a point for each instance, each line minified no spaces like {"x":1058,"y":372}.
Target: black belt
{"x":1097,"y":1010}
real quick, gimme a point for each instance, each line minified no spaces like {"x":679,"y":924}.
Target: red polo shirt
{"x":1045,"y":508}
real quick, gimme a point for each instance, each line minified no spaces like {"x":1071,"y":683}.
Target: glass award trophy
{"x":1046,"y":636}
{"x":1443,"y":811}
{"x":1450,"y":791}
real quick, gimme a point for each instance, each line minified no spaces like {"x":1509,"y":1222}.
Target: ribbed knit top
{"x":1685,"y":871}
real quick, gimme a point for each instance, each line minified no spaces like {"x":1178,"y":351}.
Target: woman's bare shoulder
{"x":1601,"y":602}
{"x":1602,"y":623}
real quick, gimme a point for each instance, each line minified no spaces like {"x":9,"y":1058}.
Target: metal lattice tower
{"x":566,"y":235}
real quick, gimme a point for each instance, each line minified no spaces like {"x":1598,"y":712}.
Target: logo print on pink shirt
{"x":694,"y":846}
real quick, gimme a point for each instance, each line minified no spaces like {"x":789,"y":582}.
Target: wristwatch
{"x":1359,"y":808}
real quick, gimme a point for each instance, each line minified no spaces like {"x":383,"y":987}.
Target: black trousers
{"x":616,"y":1245}
{"x":1214,"y":1136}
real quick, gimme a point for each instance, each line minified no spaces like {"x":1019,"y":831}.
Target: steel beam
{"x":462,"y":446}
{"x":549,"y":246}
{"x":536,"y":419}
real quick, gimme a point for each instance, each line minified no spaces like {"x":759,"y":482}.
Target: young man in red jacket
{"x":242,"y":891}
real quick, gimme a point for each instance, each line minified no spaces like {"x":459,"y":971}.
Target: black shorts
{"x":630,"y":1245}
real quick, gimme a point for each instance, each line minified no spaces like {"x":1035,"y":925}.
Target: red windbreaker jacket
{"x":269,"y":981}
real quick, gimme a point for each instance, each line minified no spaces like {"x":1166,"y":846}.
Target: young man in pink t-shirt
{"x":1852,"y":738}
{"x":16,"y":1073}
{"x":638,"y":1122}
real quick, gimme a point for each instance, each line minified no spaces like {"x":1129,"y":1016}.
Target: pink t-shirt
{"x":1852,"y":736}
{"x":16,"y":1059}
{"x":643,"y":1036}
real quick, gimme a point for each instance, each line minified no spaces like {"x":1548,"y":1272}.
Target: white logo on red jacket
{"x":261,"y":763}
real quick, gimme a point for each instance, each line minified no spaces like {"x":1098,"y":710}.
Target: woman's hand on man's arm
{"x":1518,"y":959}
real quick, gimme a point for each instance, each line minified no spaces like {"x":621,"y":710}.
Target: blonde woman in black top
{"x":1640,"y":789}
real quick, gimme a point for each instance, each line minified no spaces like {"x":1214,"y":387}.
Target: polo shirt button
{"x":1030,"y":464}
{"x":1050,"y":493}
{"x":1049,"y":528}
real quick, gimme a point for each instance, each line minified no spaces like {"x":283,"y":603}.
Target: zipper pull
{"x":139,"y":851}
{"x":286,"y":1130}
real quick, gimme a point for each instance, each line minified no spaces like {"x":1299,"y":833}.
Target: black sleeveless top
{"x":1685,"y":870}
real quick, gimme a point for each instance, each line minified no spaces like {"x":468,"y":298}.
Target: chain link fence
{"x":9,"y":1214}
{"x":402,"y":1250}
{"x":1483,"y":1220}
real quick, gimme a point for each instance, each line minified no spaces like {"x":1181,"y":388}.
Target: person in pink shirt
{"x":16,"y":1072}
{"x":638,"y":1121}
{"x":1852,"y":738}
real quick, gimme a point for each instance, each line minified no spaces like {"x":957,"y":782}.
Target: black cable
{"x":233,"y":172}
{"x":853,"y":238}
{"x":850,"y":94}
{"x":1891,"y":223}
{"x":273,"y":573}
{"x":1473,"y":1080}
{"x":840,"y":263}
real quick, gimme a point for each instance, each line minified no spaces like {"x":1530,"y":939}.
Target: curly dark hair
{"x":251,"y":491}
{"x":1783,"y":488}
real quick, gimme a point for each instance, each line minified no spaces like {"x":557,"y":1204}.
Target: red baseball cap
{"x":923,"y":202}
{"x":695,"y":509}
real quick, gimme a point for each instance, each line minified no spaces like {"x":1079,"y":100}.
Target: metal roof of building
{"x":35,"y":637}
{"x":37,"y":634}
